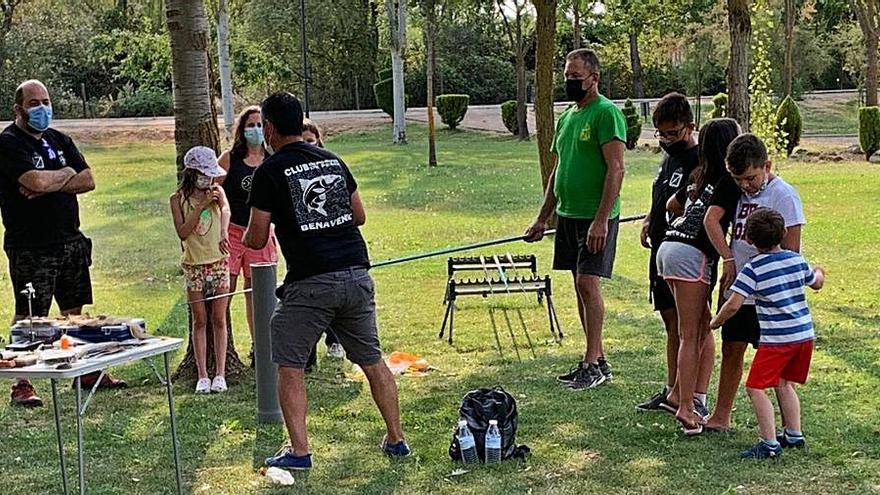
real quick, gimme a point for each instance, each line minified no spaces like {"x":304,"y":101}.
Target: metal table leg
{"x":79,"y":435}
{"x":58,"y":434}
{"x":173,"y":423}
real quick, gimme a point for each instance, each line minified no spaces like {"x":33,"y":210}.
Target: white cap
{"x":204,"y":160}
{"x":493,"y":422}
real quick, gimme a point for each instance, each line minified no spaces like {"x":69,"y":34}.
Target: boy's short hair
{"x":285,"y":112}
{"x":674,"y":107}
{"x":745,"y":152}
{"x":765,"y":228}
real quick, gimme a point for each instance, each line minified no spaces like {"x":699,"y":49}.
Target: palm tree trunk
{"x":545,"y":28}
{"x":740,"y":24}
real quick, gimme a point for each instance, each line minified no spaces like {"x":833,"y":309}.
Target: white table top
{"x":151,"y":347}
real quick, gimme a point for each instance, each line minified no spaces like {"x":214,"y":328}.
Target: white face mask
{"x":760,"y":189}
{"x":204,"y":182}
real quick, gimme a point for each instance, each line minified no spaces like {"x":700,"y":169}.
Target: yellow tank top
{"x":202,"y":247}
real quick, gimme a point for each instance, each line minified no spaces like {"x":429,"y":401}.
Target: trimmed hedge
{"x":383,"y":90}
{"x":508,"y":116}
{"x":720,"y":102}
{"x":633,"y":124}
{"x":789,"y":124}
{"x":452,"y":109}
{"x":144,"y":103}
{"x":869,"y":130}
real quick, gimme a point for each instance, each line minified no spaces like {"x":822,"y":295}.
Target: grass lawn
{"x":582,"y":442}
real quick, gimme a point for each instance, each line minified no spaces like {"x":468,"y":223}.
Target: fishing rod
{"x":429,"y":254}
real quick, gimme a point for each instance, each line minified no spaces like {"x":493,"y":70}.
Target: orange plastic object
{"x":65,"y":342}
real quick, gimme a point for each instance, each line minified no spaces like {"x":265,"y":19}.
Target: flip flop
{"x":692,"y":432}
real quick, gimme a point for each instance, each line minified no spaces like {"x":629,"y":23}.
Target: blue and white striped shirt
{"x":777,"y":281}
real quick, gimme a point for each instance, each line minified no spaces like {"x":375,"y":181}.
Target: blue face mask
{"x":40,"y":117}
{"x":254,"y":136}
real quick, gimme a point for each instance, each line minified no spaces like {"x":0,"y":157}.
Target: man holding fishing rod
{"x":584,"y":192}
{"x":310,"y":196}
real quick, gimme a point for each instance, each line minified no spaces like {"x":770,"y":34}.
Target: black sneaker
{"x":762,"y":450}
{"x":655,"y":403}
{"x":701,"y":408}
{"x":590,"y":377}
{"x":605,"y":369}
{"x":572,"y":373}
{"x":789,"y":441}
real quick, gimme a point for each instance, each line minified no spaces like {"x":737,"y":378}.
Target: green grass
{"x":587,"y":442}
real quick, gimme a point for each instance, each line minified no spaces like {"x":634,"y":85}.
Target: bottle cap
{"x":493,"y":422}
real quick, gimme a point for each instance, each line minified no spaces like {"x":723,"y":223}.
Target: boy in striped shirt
{"x":776,"y":278}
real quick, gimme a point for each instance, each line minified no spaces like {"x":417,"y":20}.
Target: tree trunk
{"x":187,"y":370}
{"x":740,"y":24}
{"x":7,"y":10}
{"x":545,"y":28}
{"x":396,"y":10}
{"x":430,"y":29}
{"x":522,"y":122}
{"x":871,"y":73}
{"x":636,"y":61}
{"x":788,"y":69}
{"x":868,"y":15}
{"x":195,"y":121}
{"x":576,"y":23}
{"x":225,"y":70}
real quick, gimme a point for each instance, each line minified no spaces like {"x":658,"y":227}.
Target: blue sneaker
{"x":399,"y":449}
{"x":762,"y":450}
{"x":789,"y":441}
{"x":289,"y":461}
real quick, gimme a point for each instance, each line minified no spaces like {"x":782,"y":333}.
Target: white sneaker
{"x":203,"y":386}
{"x":336,"y":351}
{"x":219,"y":384}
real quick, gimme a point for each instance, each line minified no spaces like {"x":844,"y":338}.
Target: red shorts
{"x":240,"y":257}
{"x":790,"y":362}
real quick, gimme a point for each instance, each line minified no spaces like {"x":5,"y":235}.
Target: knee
{"x":587,"y":285}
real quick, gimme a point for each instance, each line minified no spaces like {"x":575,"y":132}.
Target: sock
{"x":793,"y":433}
{"x":772,"y":443}
{"x":701,"y":398}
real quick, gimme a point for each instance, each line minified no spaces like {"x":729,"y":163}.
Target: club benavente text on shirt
{"x":319,"y":195}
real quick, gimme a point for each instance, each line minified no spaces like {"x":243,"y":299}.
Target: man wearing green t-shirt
{"x":584,"y":192}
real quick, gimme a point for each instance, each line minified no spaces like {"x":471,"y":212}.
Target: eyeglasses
{"x":669,"y":134}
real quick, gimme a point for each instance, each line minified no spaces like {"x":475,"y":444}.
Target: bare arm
{"x":357,"y":208}
{"x":535,"y":232}
{"x":674,"y":206}
{"x":712,"y":224}
{"x":46,"y":181}
{"x":223,"y":161}
{"x":225,"y":215}
{"x":597,"y":234}
{"x":184,"y":224}
{"x":80,"y":183}
{"x":729,"y":309}
{"x":792,"y":238}
{"x":257,"y":233}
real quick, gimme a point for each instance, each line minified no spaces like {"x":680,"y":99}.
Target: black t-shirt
{"x":237,"y":187}
{"x":308,"y":192}
{"x":672,"y":176}
{"x":46,"y":220}
{"x":688,"y":228}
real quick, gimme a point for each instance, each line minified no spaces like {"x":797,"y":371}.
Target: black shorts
{"x":60,"y":271}
{"x":570,"y":250}
{"x":659,"y":292}
{"x":742,"y":326}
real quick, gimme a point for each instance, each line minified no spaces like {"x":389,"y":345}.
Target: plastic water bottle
{"x":467,"y":444}
{"x":493,"y":443}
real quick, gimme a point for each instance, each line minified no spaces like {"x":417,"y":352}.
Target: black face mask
{"x":574,"y":90}
{"x":675,"y":148}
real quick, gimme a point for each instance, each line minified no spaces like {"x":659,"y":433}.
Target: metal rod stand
{"x":170,"y":393}
{"x":59,"y":435}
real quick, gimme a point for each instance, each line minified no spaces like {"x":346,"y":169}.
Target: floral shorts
{"x":209,"y":279}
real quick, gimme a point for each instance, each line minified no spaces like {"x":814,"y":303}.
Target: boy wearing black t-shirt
{"x":310,"y":196}
{"x":674,"y":121}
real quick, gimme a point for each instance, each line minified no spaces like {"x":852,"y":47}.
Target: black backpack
{"x":477,"y":408}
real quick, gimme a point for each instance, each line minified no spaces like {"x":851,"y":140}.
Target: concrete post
{"x":264,"y":282}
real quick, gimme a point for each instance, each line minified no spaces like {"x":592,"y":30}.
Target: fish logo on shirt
{"x":315,"y":191}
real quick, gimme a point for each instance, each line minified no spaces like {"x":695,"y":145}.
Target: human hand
{"x":597,"y":235}
{"x":27,"y":193}
{"x":715,"y":324}
{"x":224,"y":246}
{"x":535,"y":232}
{"x":728,"y":275}
{"x":643,"y":237}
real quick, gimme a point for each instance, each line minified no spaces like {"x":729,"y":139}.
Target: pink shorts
{"x":240,"y":257}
